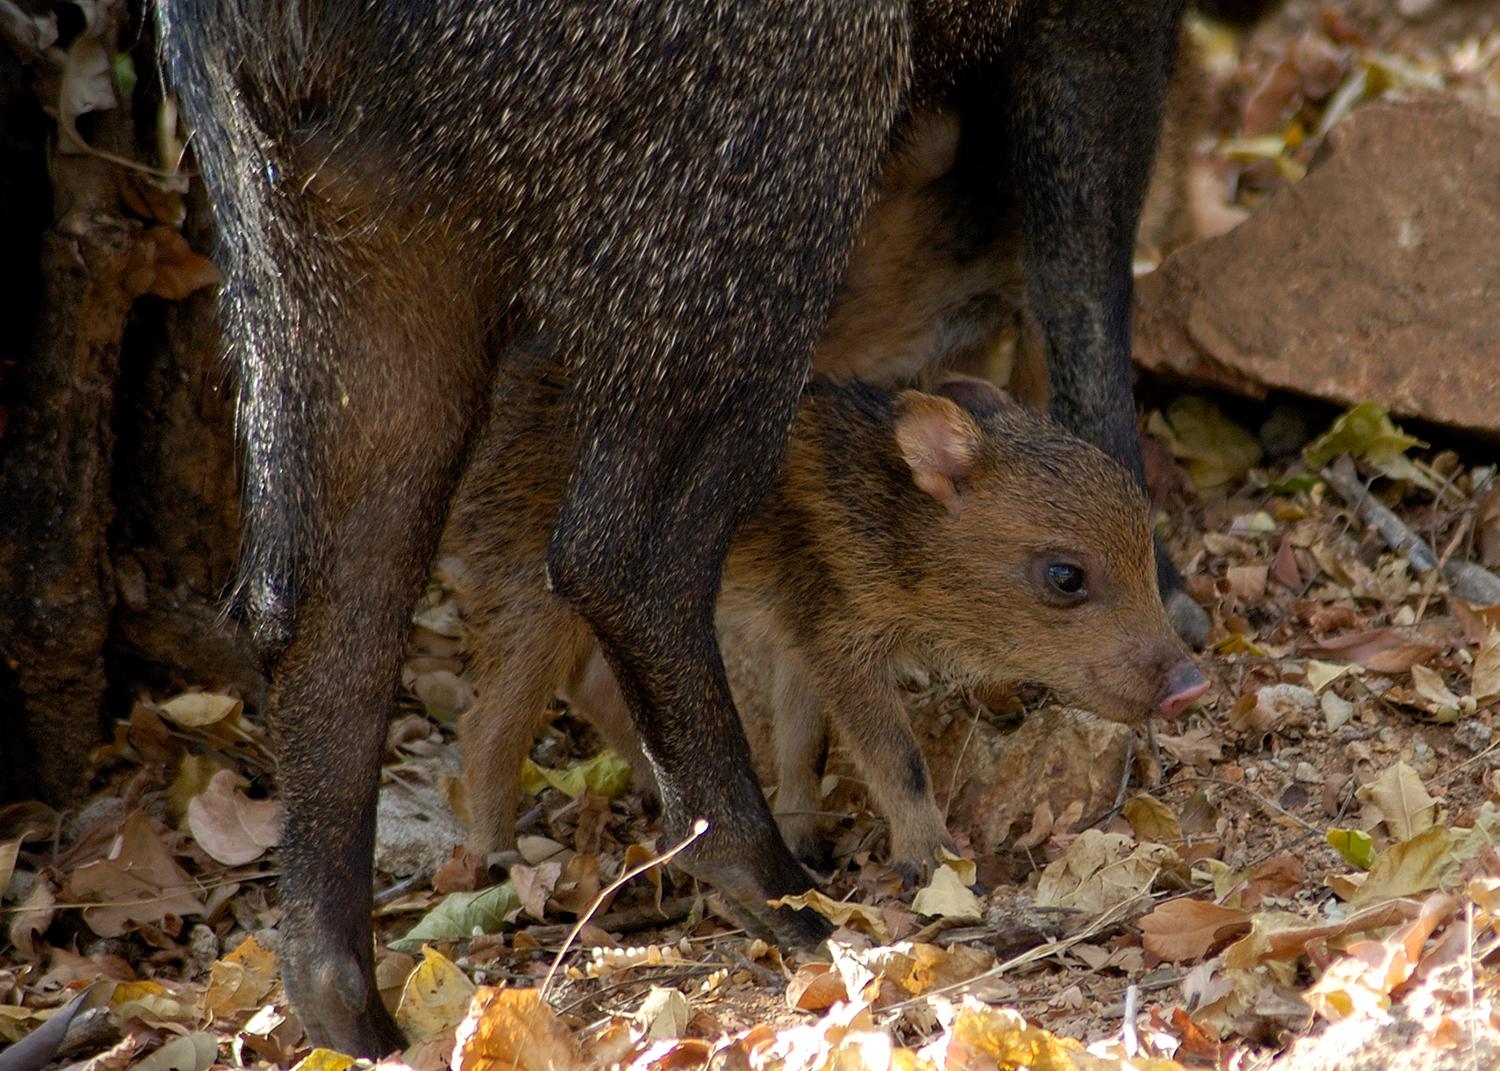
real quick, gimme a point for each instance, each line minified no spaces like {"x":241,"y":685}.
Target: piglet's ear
{"x":940,"y":441}
{"x":978,"y":396}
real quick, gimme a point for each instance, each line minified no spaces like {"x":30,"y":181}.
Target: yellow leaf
{"x":1413,"y":866}
{"x":859,"y":916}
{"x":324,"y":1060}
{"x":1100,"y":871}
{"x":435,"y":998}
{"x":193,"y":710}
{"x":947,"y":897}
{"x":1152,"y":820}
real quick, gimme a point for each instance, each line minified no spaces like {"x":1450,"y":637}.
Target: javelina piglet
{"x":958,"y":530}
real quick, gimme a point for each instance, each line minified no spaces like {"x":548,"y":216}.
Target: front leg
{"x":871,"y":720}
{"x":1087,"y":81}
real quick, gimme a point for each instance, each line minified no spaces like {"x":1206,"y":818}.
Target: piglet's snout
{"x":1184,"y":684}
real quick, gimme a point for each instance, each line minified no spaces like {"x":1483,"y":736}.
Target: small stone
{"x":1307,"y":774}
{"x":1472,"y":734}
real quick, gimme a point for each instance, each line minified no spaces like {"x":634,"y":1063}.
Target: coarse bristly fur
{"x":855,"y":571}
{"x":668,"y":194}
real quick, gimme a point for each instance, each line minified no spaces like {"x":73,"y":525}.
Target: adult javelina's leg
{"x":755,"y":181}
{"x":1087,"y":81}
{"x":361,"y":369}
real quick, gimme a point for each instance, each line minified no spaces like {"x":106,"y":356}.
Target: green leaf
{"x":1216,"y":451}
{"x":606,"y":774}
{"x":1295,"y":483}
{"x":1365,"y":431}
{"x":461,"y":914}
{"x":1355,"y":846}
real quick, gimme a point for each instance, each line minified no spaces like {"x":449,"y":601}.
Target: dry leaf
{"x":509,"y":1029}
{"x":1402,"y":800}
{"x":814,"y":987}
{"x":1152,"y":820}
{"x":861,"y":917}
{"x":1100,"y":871}
{"x":194,"y":710}
{"x":1183,"y":930}
{"x":139,"y":882}
{"x":240,"y":982}
{"x":230,"y":826}
{"x":435,"y":998}
{"x":1485,"y":684}
{"x":946,"y":896}
{"x":1414,"y":866}
{"x":664,"y":1013}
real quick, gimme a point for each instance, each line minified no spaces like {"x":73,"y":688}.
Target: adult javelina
{"x":668,"y":193}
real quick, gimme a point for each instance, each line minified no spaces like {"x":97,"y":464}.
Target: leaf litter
{"x":1309,"y":853}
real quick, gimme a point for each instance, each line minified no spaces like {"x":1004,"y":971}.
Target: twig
{"x":1128,"y":1035}
{"x":1469,"y":581}
{"x":626,"y":921}
{"x":700,"y":827}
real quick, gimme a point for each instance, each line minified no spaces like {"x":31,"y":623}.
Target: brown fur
{"x":903,"y":531}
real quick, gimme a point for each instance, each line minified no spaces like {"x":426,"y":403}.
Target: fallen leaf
{"x":1183,"y":930}
{"x":1364,"y":431}
{"x":814,"y":987}
{"x":435,"y":998}
{"x":533,"y":885}
{"x":230,"y":826}
{"x":946,"y":896}
{"x":1485,"y":683}
{"x":1215,"y":450}
{"x":1100,"y":871}
{"x":1355,"y":846}
{"x":664,"y":1013}
{"x":862,"y":917}
{"x":176,"y":270}
{"x":1200,"y":747}
{"x":195,"y":1052}
{"x":194,"y":710}
{"x":461,"y":915}
{"x":1414,"y":866}
{"x":1384,"y":650}
{"x":509,"y":1029}
{"x":1152,"y":820}
{"x":138,"y":883}
{"x":1402,"y":801}
{"x":605,"y":775}
{"x":239,"y":982}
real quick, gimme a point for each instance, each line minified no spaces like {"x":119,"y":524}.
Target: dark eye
{"x":1066,"y":578}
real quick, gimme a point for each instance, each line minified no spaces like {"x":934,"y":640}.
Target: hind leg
{"x":356,"y":401}
{"x":801,"y":738}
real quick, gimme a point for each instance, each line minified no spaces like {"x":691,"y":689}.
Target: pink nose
{"x":1184,"y":684}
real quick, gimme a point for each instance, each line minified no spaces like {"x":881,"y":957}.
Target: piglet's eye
{"x":1066,"y":578}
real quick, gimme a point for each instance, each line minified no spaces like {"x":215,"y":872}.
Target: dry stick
{"x":700,"y":827}
{"x":627,"y":920}
{"x":1471,"y":582}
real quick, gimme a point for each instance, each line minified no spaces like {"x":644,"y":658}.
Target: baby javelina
{"x":959,"y":531}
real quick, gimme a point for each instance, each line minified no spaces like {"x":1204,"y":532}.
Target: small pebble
{"x":1308,"y":774}
{"x":1472,"y":734}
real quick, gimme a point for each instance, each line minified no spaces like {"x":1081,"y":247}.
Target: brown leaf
{"x":178,"y":271}
{"x":140,"y":882}
{"x":1384,"y":650}
{"x":229,"y":825}
{"x":1184,"y":930}
{"x":534,"y":884}
{"x":1200,"y":747}
{"x":1281,"y":875}
{"x":814,"y":987}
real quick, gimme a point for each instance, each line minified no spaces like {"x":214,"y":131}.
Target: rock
{"x":1060,"y":756}
{"x":415,"y":829}
{"x":1372,"y":279}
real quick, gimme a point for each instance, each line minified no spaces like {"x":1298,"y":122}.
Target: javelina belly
{"x":959,"y":531}
{"x":668,"y":193}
